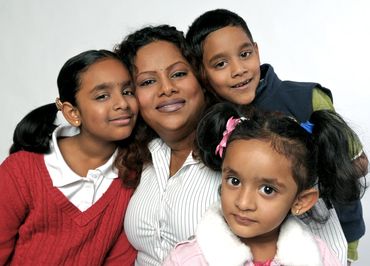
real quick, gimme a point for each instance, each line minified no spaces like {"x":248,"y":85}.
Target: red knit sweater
{"x":39,"y":226}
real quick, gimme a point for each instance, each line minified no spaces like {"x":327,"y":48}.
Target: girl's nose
{"x":245,"y":200}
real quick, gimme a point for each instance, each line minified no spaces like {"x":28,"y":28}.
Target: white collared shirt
{"x":81,"y":191}
{"x":165,"y":210}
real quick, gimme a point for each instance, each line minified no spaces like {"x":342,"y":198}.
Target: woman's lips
{"x":170,"y":105}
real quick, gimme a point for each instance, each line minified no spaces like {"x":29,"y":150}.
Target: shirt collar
{"x":159,"y":146}
{"x":62,"y":174}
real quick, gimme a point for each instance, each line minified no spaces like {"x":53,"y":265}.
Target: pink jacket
{"x":216,"y":245}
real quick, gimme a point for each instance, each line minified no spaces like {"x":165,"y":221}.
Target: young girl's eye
{"x":233,"y":181}
{"x":245,"y":54}
{"x":179,"y":74}
{"x":267,"y":190}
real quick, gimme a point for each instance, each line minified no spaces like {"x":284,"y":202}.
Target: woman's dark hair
{"x":127,"y":50}
{"x":322,"y":157}
{"x":207,"y":23}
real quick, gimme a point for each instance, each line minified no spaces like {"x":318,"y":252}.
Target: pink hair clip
{"x":230,"y":126}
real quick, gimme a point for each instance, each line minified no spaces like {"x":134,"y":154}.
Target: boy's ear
{"x":256,"y":49}
{"x":304,"y":201}
{"x":71,"y":114}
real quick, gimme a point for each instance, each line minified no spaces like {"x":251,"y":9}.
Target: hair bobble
{"x":308,"y":126}
{"x":230,"y":126}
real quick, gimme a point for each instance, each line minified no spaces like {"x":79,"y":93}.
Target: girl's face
{"x":231,"y":64}
{"x":169,"y":95}
{"x":257,"y":190}
{"x":107,"y":107}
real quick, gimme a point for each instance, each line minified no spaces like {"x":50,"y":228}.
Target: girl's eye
{"x":245,"y":54}
{"x":101,"y":97}
{"x":220,"y":64}
{"x":233,"y":181}
{"x":128,"y":92}
{"x":146,"y":82}
{"x":179,"y":74}
{"x":267,"y":190}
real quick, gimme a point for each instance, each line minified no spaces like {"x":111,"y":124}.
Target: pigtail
{"x":333,"y":145}
{"x":33,"y":132}
{"x":210,"y":131}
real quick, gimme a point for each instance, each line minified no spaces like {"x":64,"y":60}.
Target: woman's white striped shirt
{"x":164,"y":211}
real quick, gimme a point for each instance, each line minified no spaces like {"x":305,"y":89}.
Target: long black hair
{"x":321,"y":157}
{"x":33,"y":132}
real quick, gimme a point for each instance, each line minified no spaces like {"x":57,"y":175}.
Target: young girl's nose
{"x":245,"y":200}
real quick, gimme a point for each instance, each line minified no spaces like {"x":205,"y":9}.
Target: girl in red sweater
{"x":61,"y":200}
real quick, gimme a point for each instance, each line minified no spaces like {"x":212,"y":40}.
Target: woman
{"x":175,"y":188}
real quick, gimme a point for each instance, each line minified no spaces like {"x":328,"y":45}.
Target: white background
{"x":326,"y":41}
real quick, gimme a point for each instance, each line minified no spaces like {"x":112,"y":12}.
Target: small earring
{"x":297,"y":211}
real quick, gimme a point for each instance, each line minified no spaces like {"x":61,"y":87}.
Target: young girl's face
{"x":106,"y":101}
{"x":231,"y":64}
{"x":257,"y":190}
{"x":169,"y":95}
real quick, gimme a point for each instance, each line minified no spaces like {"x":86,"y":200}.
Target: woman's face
{"x":169,"y":95}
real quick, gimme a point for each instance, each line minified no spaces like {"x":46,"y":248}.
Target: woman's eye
{"x":267,"y":190}
{"x":233,"y":181}
{"x":146,"y":82}
{"x":179,"y":74}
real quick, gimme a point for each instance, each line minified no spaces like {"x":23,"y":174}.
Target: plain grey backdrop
{"x":326,"y":41}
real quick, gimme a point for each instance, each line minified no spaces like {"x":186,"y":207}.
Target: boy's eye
{"x":233,"y":181}
{"x":245,"y":54}
{"x":220,"y":64}
{"x":267,"y":190}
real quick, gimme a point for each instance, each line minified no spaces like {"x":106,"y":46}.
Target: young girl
{"x":227,"y":60}
{"x":271,"y":169}
{"x":175,"y":187}
{"x":61,"y":200}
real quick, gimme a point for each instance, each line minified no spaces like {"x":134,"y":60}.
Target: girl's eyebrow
{"x":260,"y":179}
{"x":109,"y":85}
{"x":272,"y":180}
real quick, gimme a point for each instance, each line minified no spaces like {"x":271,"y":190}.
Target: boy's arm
{"x":321,"y":101}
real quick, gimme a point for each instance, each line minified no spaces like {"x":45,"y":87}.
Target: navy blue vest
{"x":289,"y":97}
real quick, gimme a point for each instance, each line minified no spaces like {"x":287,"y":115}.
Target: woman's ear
{"x":71,"y":114}
{"x":305,"y":201}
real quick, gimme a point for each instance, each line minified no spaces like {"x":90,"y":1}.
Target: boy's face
{"x":231,"y":64}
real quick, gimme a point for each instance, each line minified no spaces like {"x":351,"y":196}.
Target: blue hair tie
{"x":308,"y":126}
